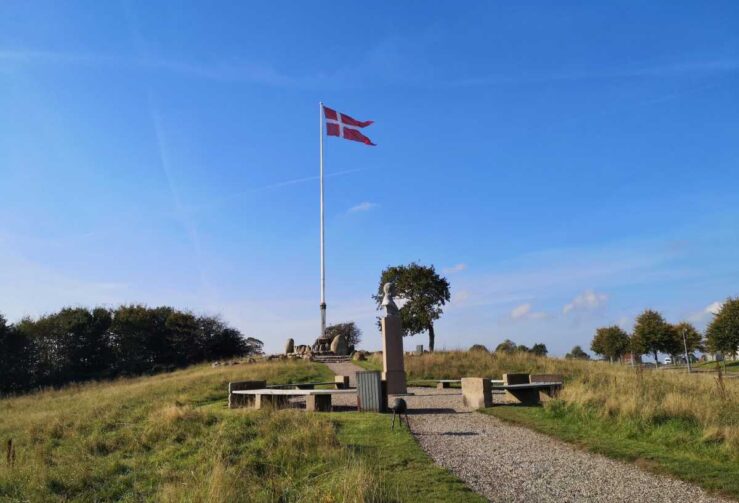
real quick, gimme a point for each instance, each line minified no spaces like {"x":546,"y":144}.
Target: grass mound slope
{"x":171,"y":438}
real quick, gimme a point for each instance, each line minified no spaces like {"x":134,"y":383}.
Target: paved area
{"x":512,"y":464}
{"x":346,"y":369}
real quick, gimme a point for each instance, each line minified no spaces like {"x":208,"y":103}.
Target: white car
{"x":668,"y":360}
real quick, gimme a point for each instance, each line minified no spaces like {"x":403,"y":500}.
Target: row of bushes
{"x":78,"y":344}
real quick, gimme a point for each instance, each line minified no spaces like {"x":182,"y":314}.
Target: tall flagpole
{"x":323,"y":260}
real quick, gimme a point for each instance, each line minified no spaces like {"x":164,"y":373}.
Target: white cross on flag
{"x":338,"y":124}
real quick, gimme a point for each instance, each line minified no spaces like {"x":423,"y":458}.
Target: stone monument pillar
{"x":392,"y":345}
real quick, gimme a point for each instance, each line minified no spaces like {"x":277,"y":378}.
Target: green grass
{"x":405,"y":466}
{"x":370,"y":364}
{"x":673,"y":446}
{"x":726,"y":366}
{"x":170,"y":437}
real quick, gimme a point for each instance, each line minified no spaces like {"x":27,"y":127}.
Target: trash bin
{"x":371,"y":392}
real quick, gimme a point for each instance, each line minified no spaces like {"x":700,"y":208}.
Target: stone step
{"x":332,"y":359}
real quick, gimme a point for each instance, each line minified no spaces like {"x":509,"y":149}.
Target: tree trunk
{"x":656,"y":361}
{"x":431,"y":337}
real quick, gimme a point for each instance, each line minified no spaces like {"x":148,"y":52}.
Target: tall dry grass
{"x":171,"y":438}
{"x":611,"y":390}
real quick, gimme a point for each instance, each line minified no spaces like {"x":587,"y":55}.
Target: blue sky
{"x":566,"y":165}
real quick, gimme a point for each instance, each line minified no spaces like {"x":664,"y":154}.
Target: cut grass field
{"x":171,"y":438}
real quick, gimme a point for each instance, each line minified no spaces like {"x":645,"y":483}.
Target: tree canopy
{"x":479,"y":347}
{"x":539,"y":349}
{"x":424,"y":293}
{"x":577,"y":353}
{"x":352,"y":334}
{"x":653,"y":334}
{"x":77,"y":344}
{"x":507,"y":346}
{"x":693,"y":338}
{"x":722,"y":333}
{"x":611,"y":342}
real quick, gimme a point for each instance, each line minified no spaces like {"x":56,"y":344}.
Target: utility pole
{"x":685,"y":345}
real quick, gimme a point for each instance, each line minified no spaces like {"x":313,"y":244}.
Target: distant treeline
{"x":79,"y":344}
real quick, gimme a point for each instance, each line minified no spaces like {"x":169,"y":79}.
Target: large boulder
{"x":290,"y":346}
{"x":339,"y":346}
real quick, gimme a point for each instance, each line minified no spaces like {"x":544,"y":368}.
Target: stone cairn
{"x":325,"y":345}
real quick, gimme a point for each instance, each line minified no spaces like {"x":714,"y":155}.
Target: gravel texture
{"x":510,"y":463}
{"x":506,"y":463}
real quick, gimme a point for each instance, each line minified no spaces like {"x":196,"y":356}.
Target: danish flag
{"x":338,"y":124}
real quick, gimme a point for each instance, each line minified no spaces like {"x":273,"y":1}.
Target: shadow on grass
{"x":517,"y":405}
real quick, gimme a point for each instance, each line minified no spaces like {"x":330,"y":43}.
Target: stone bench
{"x":315,"y":399}
{"x":525,"y":388}
{"x":340,"y":382}
{"x":446,"y":383}
{"x":239,"y":400}
{"x":477,"y":392}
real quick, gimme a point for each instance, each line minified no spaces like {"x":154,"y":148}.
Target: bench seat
{"x":315,"y":399}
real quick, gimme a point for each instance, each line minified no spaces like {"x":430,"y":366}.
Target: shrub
{"x":479,"y":347}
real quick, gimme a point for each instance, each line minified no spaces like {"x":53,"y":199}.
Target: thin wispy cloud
{"x":361,"y":207}
{"x":455,"y":268}
{"x":188,"y":224}
{"x":231,"y":71}
{"x":525,"y":312}
{"x":666,"y":70}
{"x":235,"y":196}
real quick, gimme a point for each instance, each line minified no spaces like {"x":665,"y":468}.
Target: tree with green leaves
{"x":16,"y":359}
{"x":692,"y":338}
{"x":539,"y":349}
{"x":351,"y":332}
{"x":722,"y":333}
{"x":653,"y":334}
{"x":611,"y":342}
{"x":424,"y":293}
{"x":577,"y":353}
{"x":507,"y":346}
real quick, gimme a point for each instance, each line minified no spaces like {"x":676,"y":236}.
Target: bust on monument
{"x":387,"y":301}
{"x":392,"y":344}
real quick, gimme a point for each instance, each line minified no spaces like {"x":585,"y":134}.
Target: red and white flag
{"x":338,"y":124}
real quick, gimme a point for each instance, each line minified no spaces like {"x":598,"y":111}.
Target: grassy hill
{"x":170,"y":437}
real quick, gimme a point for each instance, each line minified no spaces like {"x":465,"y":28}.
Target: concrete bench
{"x":315,"y":399}
{"x":525,"y":389}
{"x":238,"y":400}
{"x":553,"y":381}
{"x":446,"y":383}
{"x":340,"y":382}
{"x":477,"y":392}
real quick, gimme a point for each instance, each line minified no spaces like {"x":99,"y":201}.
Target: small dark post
{"x":399,"y":407}
{"x":10,"y":454}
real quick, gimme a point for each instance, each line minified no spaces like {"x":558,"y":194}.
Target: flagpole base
{"x":323,"y":319}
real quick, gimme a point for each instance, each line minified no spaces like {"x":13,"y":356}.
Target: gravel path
{"x":514,"y":464}
{"x":346,"y":369}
